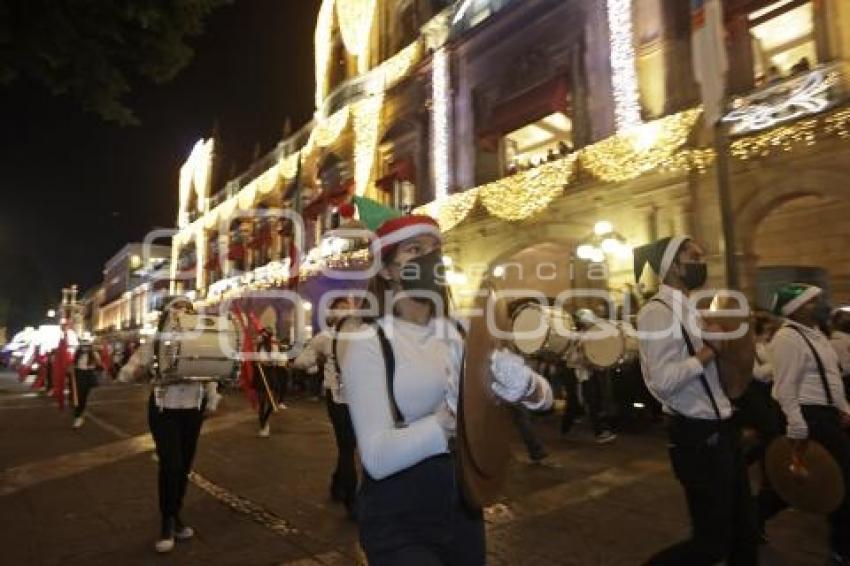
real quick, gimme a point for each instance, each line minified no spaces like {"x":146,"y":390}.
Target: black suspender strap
{"x":818,"y":361}
{"x":692,"y":352}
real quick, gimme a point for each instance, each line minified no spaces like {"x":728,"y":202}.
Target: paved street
{"x":89,"y":496}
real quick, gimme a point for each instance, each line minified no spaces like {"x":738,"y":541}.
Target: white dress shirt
{"x":841,"y":344}
{"x":321,"y":348}
{"x":797,"y":380}
{"x":671,"y":373}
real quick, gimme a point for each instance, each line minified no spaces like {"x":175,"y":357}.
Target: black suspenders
{"x":692,"y":352}
{"x":819,"y":362}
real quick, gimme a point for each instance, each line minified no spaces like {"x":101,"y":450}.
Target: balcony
{"x":785,"y":100}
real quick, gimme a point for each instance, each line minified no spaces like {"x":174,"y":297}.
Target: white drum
{"x":539,"y":329}
{"x":195,"y":347}
{"x":603,"y":344}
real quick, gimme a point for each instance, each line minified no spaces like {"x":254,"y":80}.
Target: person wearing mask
{"x":401,"y":374}
{"x":680,"y":369}
{"x":808,"y":386}
{"x":176,"y":412}
{"x":322,"y":349}
{"x":87,"y":363}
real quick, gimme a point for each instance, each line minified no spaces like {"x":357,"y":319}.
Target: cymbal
{"x":821,"y":491}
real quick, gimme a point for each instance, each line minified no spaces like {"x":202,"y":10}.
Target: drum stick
{"x":268,"y":389}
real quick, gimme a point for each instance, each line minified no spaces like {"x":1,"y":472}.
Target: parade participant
{"x":322,"y":350}
{"x":267,"y":380}
{"x":680,"y":369}
{"x":840,"y":340}
{"x":175,"y":415}
{"x":87,"y":363}
{"x":808,"y":386}
{"x":401,"y":375}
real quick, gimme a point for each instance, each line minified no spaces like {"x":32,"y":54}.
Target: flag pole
{"x":721,"y":149}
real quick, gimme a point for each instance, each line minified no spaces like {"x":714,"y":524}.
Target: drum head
{"x":822,"y":491}
{"x":529,"y":329}
{"x":484,"y":424}
{"x":603,"y":344}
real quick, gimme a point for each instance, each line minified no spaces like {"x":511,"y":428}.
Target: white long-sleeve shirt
{"x":797,"y":380}
{"x":671,"y":373}
{"x":841,"y":344}
{"x":321,"y":348}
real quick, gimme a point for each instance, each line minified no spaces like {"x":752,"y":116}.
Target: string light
{"x":441,"y":123}
{"x":323,"y":47}
{"x":451,"y":210}
{"x":785,"y":138}
{"x":328,"y":130}
{"x":289,"y":166}
{"x":398,"y":66}
{"x":367,"y":119}
{"x":355,"y":19}
{"x":624,"y":74}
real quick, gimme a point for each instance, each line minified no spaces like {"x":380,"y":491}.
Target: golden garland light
{"x":527,"y":193}
{"x":328,"y":130}
{"x":355,"y":19}
{"x":630,"y":154}
{"x":785,"y":138}
{"x":367,"y":122}
{"x":399,"y":65}
{"x":289,"y":166}
{"x":451,"y":210}
{"x":322,"y":43}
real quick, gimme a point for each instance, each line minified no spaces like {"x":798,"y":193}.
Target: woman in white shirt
{"x":401,"y":377}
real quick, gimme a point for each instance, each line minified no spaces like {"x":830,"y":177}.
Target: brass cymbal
{"x":821,"y":490}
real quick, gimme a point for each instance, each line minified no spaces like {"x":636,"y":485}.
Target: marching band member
{"x":808,"y":386}
{"x":401,"y":376}
{"x":321,"y":349}
{"x":680,"y":369}
{"x":175,"y":414}
{"x":87,"y":363}
{"x":267,"y":399}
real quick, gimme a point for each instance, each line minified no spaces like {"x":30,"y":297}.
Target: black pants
{"x":825,"y":427}
{"x":416,"y":518}
{"x":265,"y":407}
{"x":344,"y":479}
{"x":86,"y":380}
{"x":522,"y":419}
{"x":175,"y":433}
{"x":708,"y":463}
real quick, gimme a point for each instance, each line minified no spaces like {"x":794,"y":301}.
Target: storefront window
{"x":783,"y":38}
{"x":546,"y":139}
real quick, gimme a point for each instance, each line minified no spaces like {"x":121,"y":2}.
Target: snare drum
{"x":195,"y":347}
{"x":603,"y":344}
{"x":541,"y":329}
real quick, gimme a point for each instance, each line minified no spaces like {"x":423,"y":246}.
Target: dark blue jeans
{"x":416,"y":518}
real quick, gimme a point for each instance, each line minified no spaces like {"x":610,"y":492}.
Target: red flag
{"x":40,"y":380}
{"x":106,"y":359}
{"x":246,"y":368}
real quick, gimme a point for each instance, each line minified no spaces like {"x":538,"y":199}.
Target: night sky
{"x":76,"y":189}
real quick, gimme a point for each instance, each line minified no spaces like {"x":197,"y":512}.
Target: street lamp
{"x":604,"y":242}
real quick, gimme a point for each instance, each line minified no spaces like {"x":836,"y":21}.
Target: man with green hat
{"x":808,"y":386}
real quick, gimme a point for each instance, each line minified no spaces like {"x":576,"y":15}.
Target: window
{"x":783,"y":39}
{"x":546,"y":139}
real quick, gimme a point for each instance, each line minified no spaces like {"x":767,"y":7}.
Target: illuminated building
{"x":522,"y":121}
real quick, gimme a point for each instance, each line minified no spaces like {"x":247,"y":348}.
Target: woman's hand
{"x":513,"y":381}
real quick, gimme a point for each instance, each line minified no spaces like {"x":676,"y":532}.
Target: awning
{"x":401,"y":170}
{"x":332,"y":197}
{"x":528,"y":107}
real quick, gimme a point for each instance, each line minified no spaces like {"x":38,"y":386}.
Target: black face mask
{"x":695,"y":276}
{"x":424,"y":274}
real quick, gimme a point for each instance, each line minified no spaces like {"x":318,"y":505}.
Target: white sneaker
{"x":184,"y":533}
{"x":282,"y":406}
{"x":605,"y":437}
{"x":164,"y":545}
{"x":265,"y":432}
{"x":78,"y":422}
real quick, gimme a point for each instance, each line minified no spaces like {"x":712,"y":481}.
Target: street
{"x":89,"y":496}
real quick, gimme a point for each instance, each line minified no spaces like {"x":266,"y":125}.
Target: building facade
{"x":518,"y":123}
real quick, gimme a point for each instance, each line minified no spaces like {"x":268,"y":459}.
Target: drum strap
{"x":819,"y":362}
{"x":692,"y":352}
